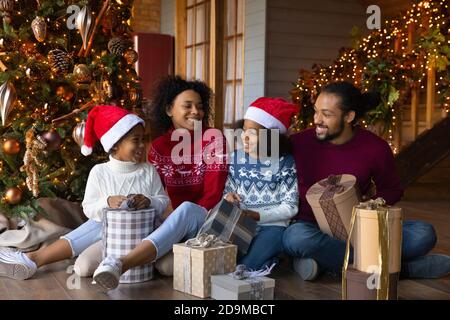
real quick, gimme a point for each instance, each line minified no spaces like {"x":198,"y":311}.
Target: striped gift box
{"x":229,"y":224}
{"x":122,"y":231}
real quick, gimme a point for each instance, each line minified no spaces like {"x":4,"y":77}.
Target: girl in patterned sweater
{"x":262,"y":178}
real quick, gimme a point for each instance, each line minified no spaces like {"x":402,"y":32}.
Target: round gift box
{"x":366,"y":240}
{"x":343,"y":201}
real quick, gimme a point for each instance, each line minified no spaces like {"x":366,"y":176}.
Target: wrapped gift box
{"x":366,"y":246}
{"x":193,"y":267}
{"x":361,"y":285}
{"x":228,"y":223}
{"x":225,"y":287}
{"x":376,"y":230}
{"x":332,"y":202}
{"x":123,"y":230}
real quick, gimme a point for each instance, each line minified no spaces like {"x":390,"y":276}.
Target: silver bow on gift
{"x":373,"y":204}
{"x":242,"y":272}
{"x":204,"y":240}
{"x":253,"y":278}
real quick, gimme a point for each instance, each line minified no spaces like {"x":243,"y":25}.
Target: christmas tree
{"x":57,"y":60}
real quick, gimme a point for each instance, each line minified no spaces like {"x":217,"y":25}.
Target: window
{"x":233,"y":61}
{"x":197,"y":47}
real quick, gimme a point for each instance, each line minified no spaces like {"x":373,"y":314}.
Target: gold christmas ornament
{"x":13,"y":195}
{"x":82,"y":73}
{"x":84,"y":23}
{"x":131,"y":56}
{"x":28,"y":48}
{"x":39,"y":27}
{"x":8,"y":97}
{"x":78,"y":133}
{"x":6,"y":8}
{"x":11,"y":146}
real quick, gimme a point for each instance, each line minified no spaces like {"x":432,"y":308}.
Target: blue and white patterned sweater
{"x":265,"y":186}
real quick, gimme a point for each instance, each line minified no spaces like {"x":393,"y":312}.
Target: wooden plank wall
{"x":302,"y":32}
{"x":255,"y":50}
{"x":147,"y":16}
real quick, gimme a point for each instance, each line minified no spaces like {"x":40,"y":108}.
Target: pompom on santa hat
{"x":107,"y":124}
{"x":272,"y":113}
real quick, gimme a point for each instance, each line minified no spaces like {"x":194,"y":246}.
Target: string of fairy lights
{"x":391,"y":61}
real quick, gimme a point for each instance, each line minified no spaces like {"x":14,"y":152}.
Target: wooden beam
{"x":217,"y":60}
{"x":414,"y":110}
{"x":431,"y":93}
{"x":180,"y":39}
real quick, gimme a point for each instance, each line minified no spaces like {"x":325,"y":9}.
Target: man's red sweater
{"x":366,"y":156}
{"x":198,"y":182}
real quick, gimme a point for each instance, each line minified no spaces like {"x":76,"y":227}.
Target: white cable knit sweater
{"x":122,"y":178}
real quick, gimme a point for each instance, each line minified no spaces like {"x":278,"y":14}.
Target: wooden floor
{"x":53,"y":282}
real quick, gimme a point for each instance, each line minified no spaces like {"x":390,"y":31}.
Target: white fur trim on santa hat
{"x":86,"y":150}
{"x":118,"y":130}
{"x":264,"y":118}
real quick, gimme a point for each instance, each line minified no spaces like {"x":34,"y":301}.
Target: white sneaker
{"x":108,"y":273}
{"x":306,"y":268}
{"x":14,"y":264}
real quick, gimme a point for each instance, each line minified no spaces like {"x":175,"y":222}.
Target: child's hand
{"x":252,"y":214}
{"x":114,"y":202}
{"x":140,"y":202}
{"x":233,"y":197}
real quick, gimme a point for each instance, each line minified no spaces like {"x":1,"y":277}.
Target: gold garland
{"x":35,"y":147}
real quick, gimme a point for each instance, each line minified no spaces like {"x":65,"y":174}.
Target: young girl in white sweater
{"x":109,"y":184}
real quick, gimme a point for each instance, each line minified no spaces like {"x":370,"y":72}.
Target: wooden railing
{"x":427,"y":150}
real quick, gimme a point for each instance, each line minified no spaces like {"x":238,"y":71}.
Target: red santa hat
{"x":272,"y":113}
{"x":107,"y":124}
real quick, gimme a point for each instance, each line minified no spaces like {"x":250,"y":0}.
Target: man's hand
{"x":141,"y":202}
{"x":114,"y":202}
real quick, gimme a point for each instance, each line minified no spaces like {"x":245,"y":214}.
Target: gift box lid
{"x":198,"y":252}
{"x":343,"y":184}
{"x":228,"y":282}
{"x":364,"y":212}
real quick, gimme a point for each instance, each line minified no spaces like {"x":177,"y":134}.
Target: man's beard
{"x":332,"y":136}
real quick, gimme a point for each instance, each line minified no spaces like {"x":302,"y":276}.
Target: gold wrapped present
{"x":376,"y":230}
{"x":332,"y":202}
{"x":199,"y":258}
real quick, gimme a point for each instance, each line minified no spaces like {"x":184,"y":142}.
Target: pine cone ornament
{"x":118,"y":45}
{"x":59,"y":61}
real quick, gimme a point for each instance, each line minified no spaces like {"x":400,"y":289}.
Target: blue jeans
{"x":305,"y":240}
{"x":183,"y":223}
{"x":84,"y":236}
{"x":264,"y":248}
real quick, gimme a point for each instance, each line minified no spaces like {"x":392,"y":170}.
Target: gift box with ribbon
{"x":199,"y":258}
{"x":376,"y":230}
{"x":228,"y":223}
{"x":243,"y":285}
{"x":332,"y":201}
{"x":122,"y":231}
